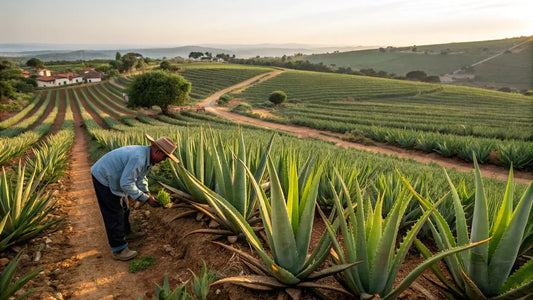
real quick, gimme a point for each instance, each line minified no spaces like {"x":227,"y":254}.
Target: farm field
{"x":444,"y":59}
{"x":450,"y":120}
{"x":82,"y":123}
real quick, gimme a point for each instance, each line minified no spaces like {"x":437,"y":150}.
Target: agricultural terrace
{"x":206,"y":79}
{"x":451,"y":120}
{"x":306,"y":172}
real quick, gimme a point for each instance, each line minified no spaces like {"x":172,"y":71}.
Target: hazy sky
{"x":325,"y":22}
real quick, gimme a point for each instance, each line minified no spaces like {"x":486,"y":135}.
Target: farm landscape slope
{"x":108,"y":124}
{"x":513,"y":68}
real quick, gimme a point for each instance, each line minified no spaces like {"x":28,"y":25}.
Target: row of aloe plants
{"x":25,"y":204}
{"x":219,"y":199}
{"x":14,"y":119}
{"x":26,"y":123}
{"x":516,"y":153}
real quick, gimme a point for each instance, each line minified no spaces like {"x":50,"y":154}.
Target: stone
{"x":4,"y":261}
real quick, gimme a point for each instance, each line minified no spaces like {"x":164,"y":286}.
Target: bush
{"x":242,"y":108}
{"x":224,"y":99}
{"x":277,"y":97}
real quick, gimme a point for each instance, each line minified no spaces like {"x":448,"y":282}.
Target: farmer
{"x":119,"y":176}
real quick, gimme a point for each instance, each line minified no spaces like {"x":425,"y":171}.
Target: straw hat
{"x":166,"y":145}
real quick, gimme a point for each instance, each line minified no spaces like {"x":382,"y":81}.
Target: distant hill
{"x":240,"y":51}
{"x":513,"y":68}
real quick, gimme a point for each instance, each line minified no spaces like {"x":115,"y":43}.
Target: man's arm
{"x":128,"y":180}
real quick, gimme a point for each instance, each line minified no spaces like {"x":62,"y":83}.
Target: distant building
{"x":89,"y":75}
{"x":44,"y":72}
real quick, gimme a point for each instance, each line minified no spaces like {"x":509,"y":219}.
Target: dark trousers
{"x":116,"y":217}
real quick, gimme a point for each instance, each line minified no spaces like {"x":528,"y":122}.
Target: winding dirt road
{"x":306,"y":132}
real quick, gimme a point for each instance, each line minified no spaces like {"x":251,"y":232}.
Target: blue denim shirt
{"x":124,"y":171}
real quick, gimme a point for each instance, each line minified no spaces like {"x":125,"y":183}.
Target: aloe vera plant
{"x":24,"y":206}
{"x":8,"y":286}
{"x":371,"y":240}
{"x":232,"y":184}
{"x":484,"y":272}
{"x":287,"y":220}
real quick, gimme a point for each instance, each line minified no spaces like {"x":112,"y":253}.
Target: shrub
{"x":224,"y":99}
{"x":242,"y":108}
{"x":277,"y":97}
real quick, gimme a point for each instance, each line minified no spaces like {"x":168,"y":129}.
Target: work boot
{"x":125,"y":254}
{"x":135,"y":236}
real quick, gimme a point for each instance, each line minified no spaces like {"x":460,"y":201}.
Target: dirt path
{"x":87,"y":268}
{"x":306,"y":132}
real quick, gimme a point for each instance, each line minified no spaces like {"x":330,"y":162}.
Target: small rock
{"x":41,"y":273}
{"x":146,"y":213}
{"x":232,"y":239}
{"x":37,"y":256}
{"x":48,"y":241}
{"x":218,"y":291}
{"x":213,"y":224}
{"x":4,"y":261}
{"x":199,"y":216}
{"x":25,"y":258}
{"x":58,"y":296}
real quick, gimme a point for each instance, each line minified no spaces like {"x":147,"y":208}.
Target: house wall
{"x":93,"y":79}
{"x":63,"y":81}
{"x":45,"y":83}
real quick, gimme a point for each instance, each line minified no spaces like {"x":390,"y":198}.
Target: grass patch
{"x":141,"y":263}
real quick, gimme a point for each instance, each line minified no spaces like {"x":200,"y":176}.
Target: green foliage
{"x":200,"y":284}
{"x":25,"y":206}
{"x":6,"y":90}
{"x":242,"y":108}
{"x":165,"y":293}
{"x":224,"y":99}
{"x":163,"y":198}
{"x":141,"y":263}
{"x":484,"y":271}
{"x":8,"y":286}
{"x":164,"y":65}
{"x":35,"y":63}
{"x":158,"y":88}
{"x":416,"y":75}
{"x":277,"y":97}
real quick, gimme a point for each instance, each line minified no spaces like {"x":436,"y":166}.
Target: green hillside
{"x":445,"y":58}
{"x":451,"y":120}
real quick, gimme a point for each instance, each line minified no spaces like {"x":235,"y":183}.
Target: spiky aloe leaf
{"x":426,"y":264}
{"x":520,"y":277}
{"x":506,"y":251}
{"x":477,"y":266}
{"x":283,"y":237}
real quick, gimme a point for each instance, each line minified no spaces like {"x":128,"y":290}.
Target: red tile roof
{"x":46,"y":78}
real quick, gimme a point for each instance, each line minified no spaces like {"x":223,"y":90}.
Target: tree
{"x":164,"y":65}
{"x":129,"y":60}
{"x":158,"y":88}
{"x":6,"y":90}
{"x":35,"y":63}
{"x":196,"y":55}
{"x":416,"y":75}
{"x":277,"y":97}
{"x":118,"y":56}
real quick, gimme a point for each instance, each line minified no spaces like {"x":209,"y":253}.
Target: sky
{"x":169,"y":23}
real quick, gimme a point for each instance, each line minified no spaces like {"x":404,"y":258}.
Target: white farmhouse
{"x":89,"y":75}
{"x":68,"y":78}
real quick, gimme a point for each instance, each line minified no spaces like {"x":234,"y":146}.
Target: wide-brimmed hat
{"x":166,"y":145}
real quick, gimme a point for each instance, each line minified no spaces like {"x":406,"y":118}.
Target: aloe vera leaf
{"x":477,"y":266}
{"x":287,"y":254}
{"x":506,"y":251}
{"x":426,"y":264}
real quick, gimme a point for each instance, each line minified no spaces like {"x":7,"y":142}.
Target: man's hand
{"x":153,"y":202}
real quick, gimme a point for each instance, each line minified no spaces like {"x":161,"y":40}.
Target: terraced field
{"x":76,"y":261}
{"x":412,"y":115}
